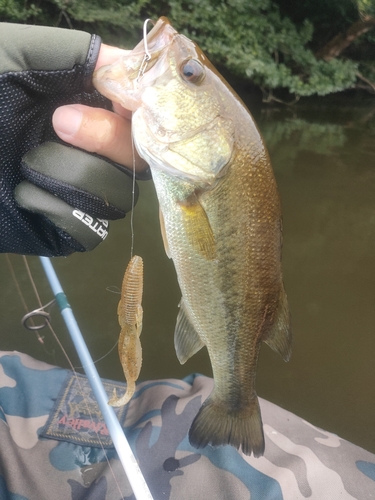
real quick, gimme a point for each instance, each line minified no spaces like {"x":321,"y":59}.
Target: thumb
{"x":98,"y":131}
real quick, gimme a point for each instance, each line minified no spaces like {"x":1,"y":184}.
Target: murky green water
{"x":324,"y":159}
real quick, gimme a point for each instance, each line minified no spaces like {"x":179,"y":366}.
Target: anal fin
{"x":280,"y":336}
{"x":164,"y":234}
{"x":186,"y":340}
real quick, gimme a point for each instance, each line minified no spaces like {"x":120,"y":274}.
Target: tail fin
{"x":217,"y":424}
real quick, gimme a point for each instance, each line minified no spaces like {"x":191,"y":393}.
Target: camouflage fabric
{"x":54,"y":445}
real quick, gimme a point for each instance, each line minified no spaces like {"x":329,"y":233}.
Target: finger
{"x":109,"y":55}
{"x":98,"y":131}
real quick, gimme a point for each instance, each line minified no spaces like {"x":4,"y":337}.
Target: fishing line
{"x":133,"y":197}
{"x":23,"y":301}
{"x":32,"y":280}
{"x":28,"y":318}
{"x":141,"y":71}
{"x":124,"y":452}
{"x":22,"y":298}
{"x":85,"y":402}
{"x":54,"y":334}
{"x":104,"y":355}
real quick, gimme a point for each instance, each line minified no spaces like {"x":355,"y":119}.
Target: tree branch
{"x":369,"y":83}
{"x":341,"y":41}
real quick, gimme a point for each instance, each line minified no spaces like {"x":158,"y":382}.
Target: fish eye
{"x":192,"y":71}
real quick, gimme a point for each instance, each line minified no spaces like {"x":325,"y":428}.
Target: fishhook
{"x":147,"y":55}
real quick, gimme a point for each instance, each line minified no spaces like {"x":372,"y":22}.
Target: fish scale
{"x":220,"y":220}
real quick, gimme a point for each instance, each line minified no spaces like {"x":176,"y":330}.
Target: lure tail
{"x":116,"y":401}
{"x":217,"y":424}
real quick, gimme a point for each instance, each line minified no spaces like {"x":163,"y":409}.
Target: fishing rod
{"x":125,"y":454}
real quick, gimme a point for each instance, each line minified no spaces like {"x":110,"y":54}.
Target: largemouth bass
{"x":220,"y":219}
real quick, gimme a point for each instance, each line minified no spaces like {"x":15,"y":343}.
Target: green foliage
{"x":17,"y":11}
{"x":270,"y":42}
{"x":253,"y":40}
{"x":328,"y":17}
{"x":117,"y":22}
{"x":366,"y":8}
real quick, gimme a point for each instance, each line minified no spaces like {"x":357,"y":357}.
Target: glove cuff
{"x":92,"y":57}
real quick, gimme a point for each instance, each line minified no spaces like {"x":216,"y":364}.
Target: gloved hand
{"x":54,"y":199}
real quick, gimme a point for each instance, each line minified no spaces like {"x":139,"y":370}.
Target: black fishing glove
{"x":54,"y":199}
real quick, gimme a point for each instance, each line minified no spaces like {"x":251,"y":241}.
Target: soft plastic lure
{"x":130,"y":315}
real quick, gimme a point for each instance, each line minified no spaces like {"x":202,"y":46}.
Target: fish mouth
{"x":153,"y":45}
{"x":124,"y":80}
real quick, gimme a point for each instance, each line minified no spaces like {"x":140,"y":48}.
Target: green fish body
{"x":220,"y":219}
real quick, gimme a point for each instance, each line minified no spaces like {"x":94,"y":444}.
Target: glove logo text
{"x":97,"y":225}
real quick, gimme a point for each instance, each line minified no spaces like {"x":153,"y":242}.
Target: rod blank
{"x":125,"y":454}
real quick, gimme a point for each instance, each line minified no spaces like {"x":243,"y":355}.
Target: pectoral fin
{"x":186,"y":340}
{"x":280,"y":336}
{"x":197,"y":227}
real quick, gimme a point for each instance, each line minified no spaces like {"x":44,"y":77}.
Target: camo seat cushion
{"x":54,"y":444}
